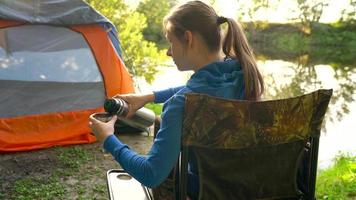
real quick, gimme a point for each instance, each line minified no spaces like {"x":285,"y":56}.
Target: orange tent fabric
{"x":110,"y":64}
{"x":45,"y":130}
{"x":9,"y":23}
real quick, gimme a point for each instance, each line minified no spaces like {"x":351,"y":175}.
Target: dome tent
{"x":59,"y":60}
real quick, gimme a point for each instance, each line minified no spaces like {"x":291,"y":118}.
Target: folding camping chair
{"x":253,"y":150}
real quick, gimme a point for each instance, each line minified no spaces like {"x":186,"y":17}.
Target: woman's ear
{"x":188,"y":35}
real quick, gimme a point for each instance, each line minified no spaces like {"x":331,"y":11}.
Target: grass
{"x":157,"y":108}
{"x":69,"y":172}
{"x":67,"y":179}
{"x":38,"y":188}
{"x":338,"y":181}
{"x":73,"y":158}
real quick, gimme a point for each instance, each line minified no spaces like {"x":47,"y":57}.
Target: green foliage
{"x":38,"y":188}
{"x":290,"y":42}
{"x":140,"y":56}
{"x":328,"y":35}
{"x":250,"y":10}
{"x":309,"y":12}
{"x":327,"y":44}
{"x":155,"y":10}
{"x":348,"y":15}
{"x":156,"y":108}
{"x":339,"y":181}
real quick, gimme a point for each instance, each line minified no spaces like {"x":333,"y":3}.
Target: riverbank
{"x":326,"y":44}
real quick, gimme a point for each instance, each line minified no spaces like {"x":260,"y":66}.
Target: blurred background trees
{"x":140,"y":55}
{"x":144,"y":44}
{"x":155,"y":10}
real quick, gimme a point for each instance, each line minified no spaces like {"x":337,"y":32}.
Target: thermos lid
{"x":115,"y":106}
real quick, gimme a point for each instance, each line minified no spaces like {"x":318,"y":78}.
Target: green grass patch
{"x":74,"y":157}
{"x":80,"y":189}
{"x":157,"y":108}
{"x":99,"y":188}
{"x":2,"y":196}
{"x":73,"y":176}
{"x":338,"y":181}
{"x":35,"y":188}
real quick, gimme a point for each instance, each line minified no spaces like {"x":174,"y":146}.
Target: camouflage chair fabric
{"x":252,"y":149}
{"x":166,"y":190}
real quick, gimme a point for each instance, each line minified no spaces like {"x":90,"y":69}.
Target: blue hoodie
{"x":222,"y":79}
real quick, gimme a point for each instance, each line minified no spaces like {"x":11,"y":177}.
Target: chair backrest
{"x":253,"y":149}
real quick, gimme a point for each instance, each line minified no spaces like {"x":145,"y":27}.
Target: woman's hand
{"x":135,"y":101}
{"x":102,"y":130}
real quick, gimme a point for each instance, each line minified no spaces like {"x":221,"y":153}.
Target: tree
{"x":348,"y":15}
{"x":310,"y":12}
{"x":155,"y":10}
{"x":141,"y":56}
{"x":250,"y":8}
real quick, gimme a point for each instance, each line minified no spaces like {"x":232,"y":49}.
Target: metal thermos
{"x":142,"y":119}
{"x":116,"y":106}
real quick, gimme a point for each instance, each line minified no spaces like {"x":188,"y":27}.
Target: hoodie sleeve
{"x":152,"y":169}
{"x":163,"y":95}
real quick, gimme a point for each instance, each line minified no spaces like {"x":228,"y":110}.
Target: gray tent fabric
{"x":46,"y":53}
{"x":21,"y":98}
{"x":40,"y":38}
{"x":45,"y":69}
{"x":58,"y":12}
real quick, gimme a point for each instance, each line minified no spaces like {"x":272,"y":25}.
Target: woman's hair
{"x":201,"y":18}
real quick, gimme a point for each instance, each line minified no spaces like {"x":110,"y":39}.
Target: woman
{"x":224,"y":69}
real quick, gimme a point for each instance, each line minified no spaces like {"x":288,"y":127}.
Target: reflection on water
{"x":287,"y":79}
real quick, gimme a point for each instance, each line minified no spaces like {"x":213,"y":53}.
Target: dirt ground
{"x":81,"y":170}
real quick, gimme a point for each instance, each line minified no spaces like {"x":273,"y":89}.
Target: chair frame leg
{"x":183,"y":173}
{"x":313,"y":168}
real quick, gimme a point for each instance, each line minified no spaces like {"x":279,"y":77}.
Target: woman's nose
{"x":169,"y":51}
